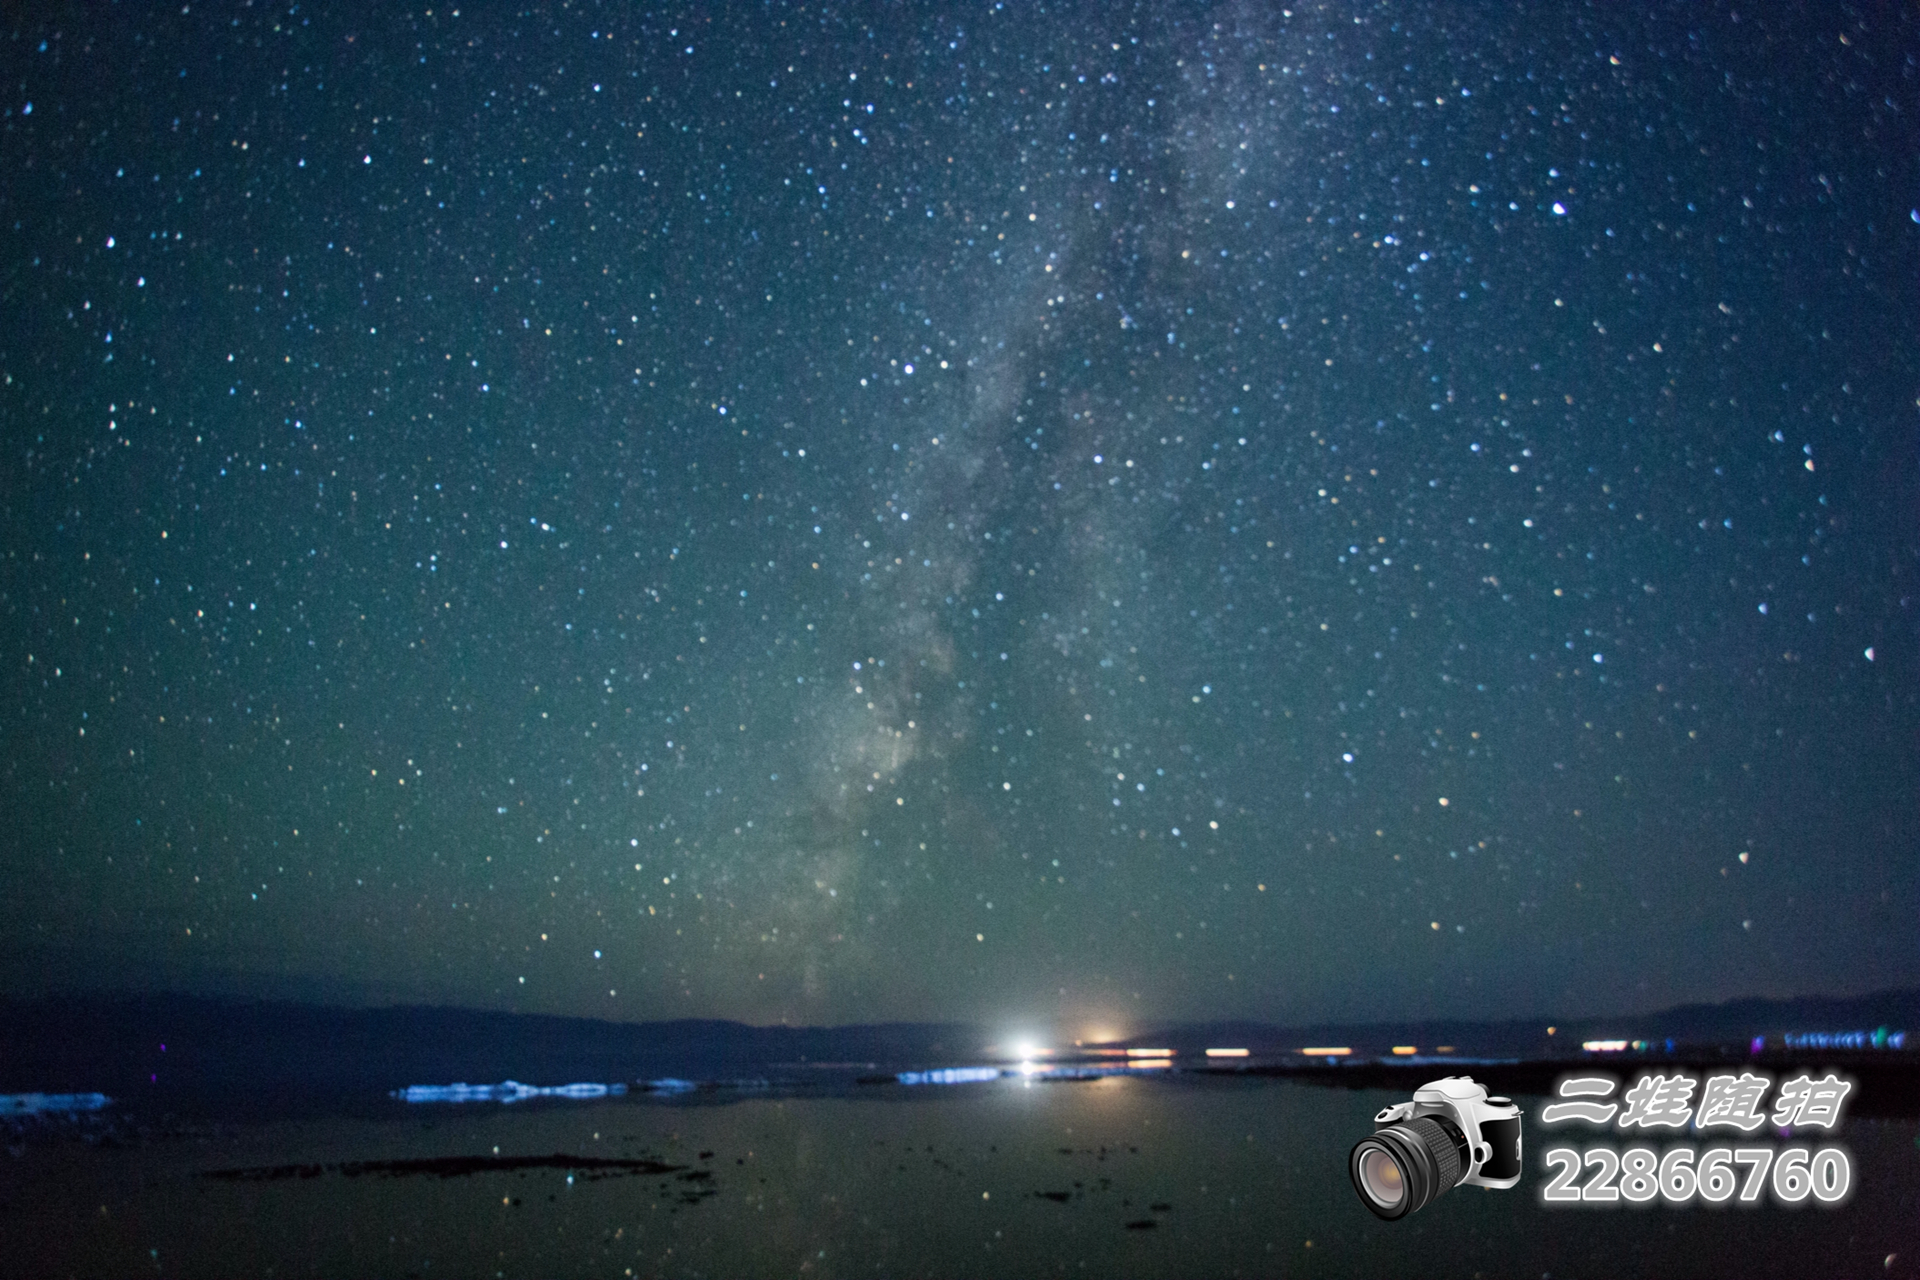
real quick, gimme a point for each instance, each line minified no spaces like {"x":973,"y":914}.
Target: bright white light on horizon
{"x":1024,"y":1045}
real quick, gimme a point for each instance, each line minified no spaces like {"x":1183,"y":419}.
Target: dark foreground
{"x":1118,"y":1176}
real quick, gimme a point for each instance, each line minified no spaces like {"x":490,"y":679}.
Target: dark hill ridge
{"x":287,"y":1055}
{"x":1734,"y":1022}
{"x":115,"y":1045}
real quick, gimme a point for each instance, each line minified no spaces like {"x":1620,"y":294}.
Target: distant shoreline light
{"x":511,"y":1091}
{"x":1879,"y":1038}
{"x":1339,"y":1052}
{"x":1226,"y":1053}
{"x":950,"y":1075}
{"x":36,"y":1104}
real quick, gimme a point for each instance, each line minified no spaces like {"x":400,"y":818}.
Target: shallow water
{"x":1137,"y":1177}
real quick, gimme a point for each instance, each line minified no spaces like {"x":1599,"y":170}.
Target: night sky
{"x":1078,"y":517}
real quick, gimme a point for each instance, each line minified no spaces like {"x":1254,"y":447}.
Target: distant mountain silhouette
{"x":135,"y":1046}
{"x":1692,"y":1024}
{"x":169,"y":1050}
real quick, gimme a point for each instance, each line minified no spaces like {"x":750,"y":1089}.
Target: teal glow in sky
{"x":1092,"y":516}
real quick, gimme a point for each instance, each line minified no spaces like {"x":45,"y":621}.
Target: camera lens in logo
{"x":1379,"y":1178}
{"x":1407,"y":1166}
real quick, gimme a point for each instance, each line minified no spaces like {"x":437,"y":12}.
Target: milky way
{"x":1080,"y":517}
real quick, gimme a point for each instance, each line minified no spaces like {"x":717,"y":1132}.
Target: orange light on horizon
{"x":1226,"y":1053}
{"x":1149,"y":1053}
{"x":1603,"y":1046}
{"x":1340,"y":1052}
{"x":1405,"y":1050}
{"x":1144,"y":1064}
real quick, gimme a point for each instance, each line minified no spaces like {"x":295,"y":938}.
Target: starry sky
{"x":1090,"y":515}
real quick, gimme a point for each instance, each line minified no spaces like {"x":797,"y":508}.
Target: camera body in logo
{"x":1452,"y":1133}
